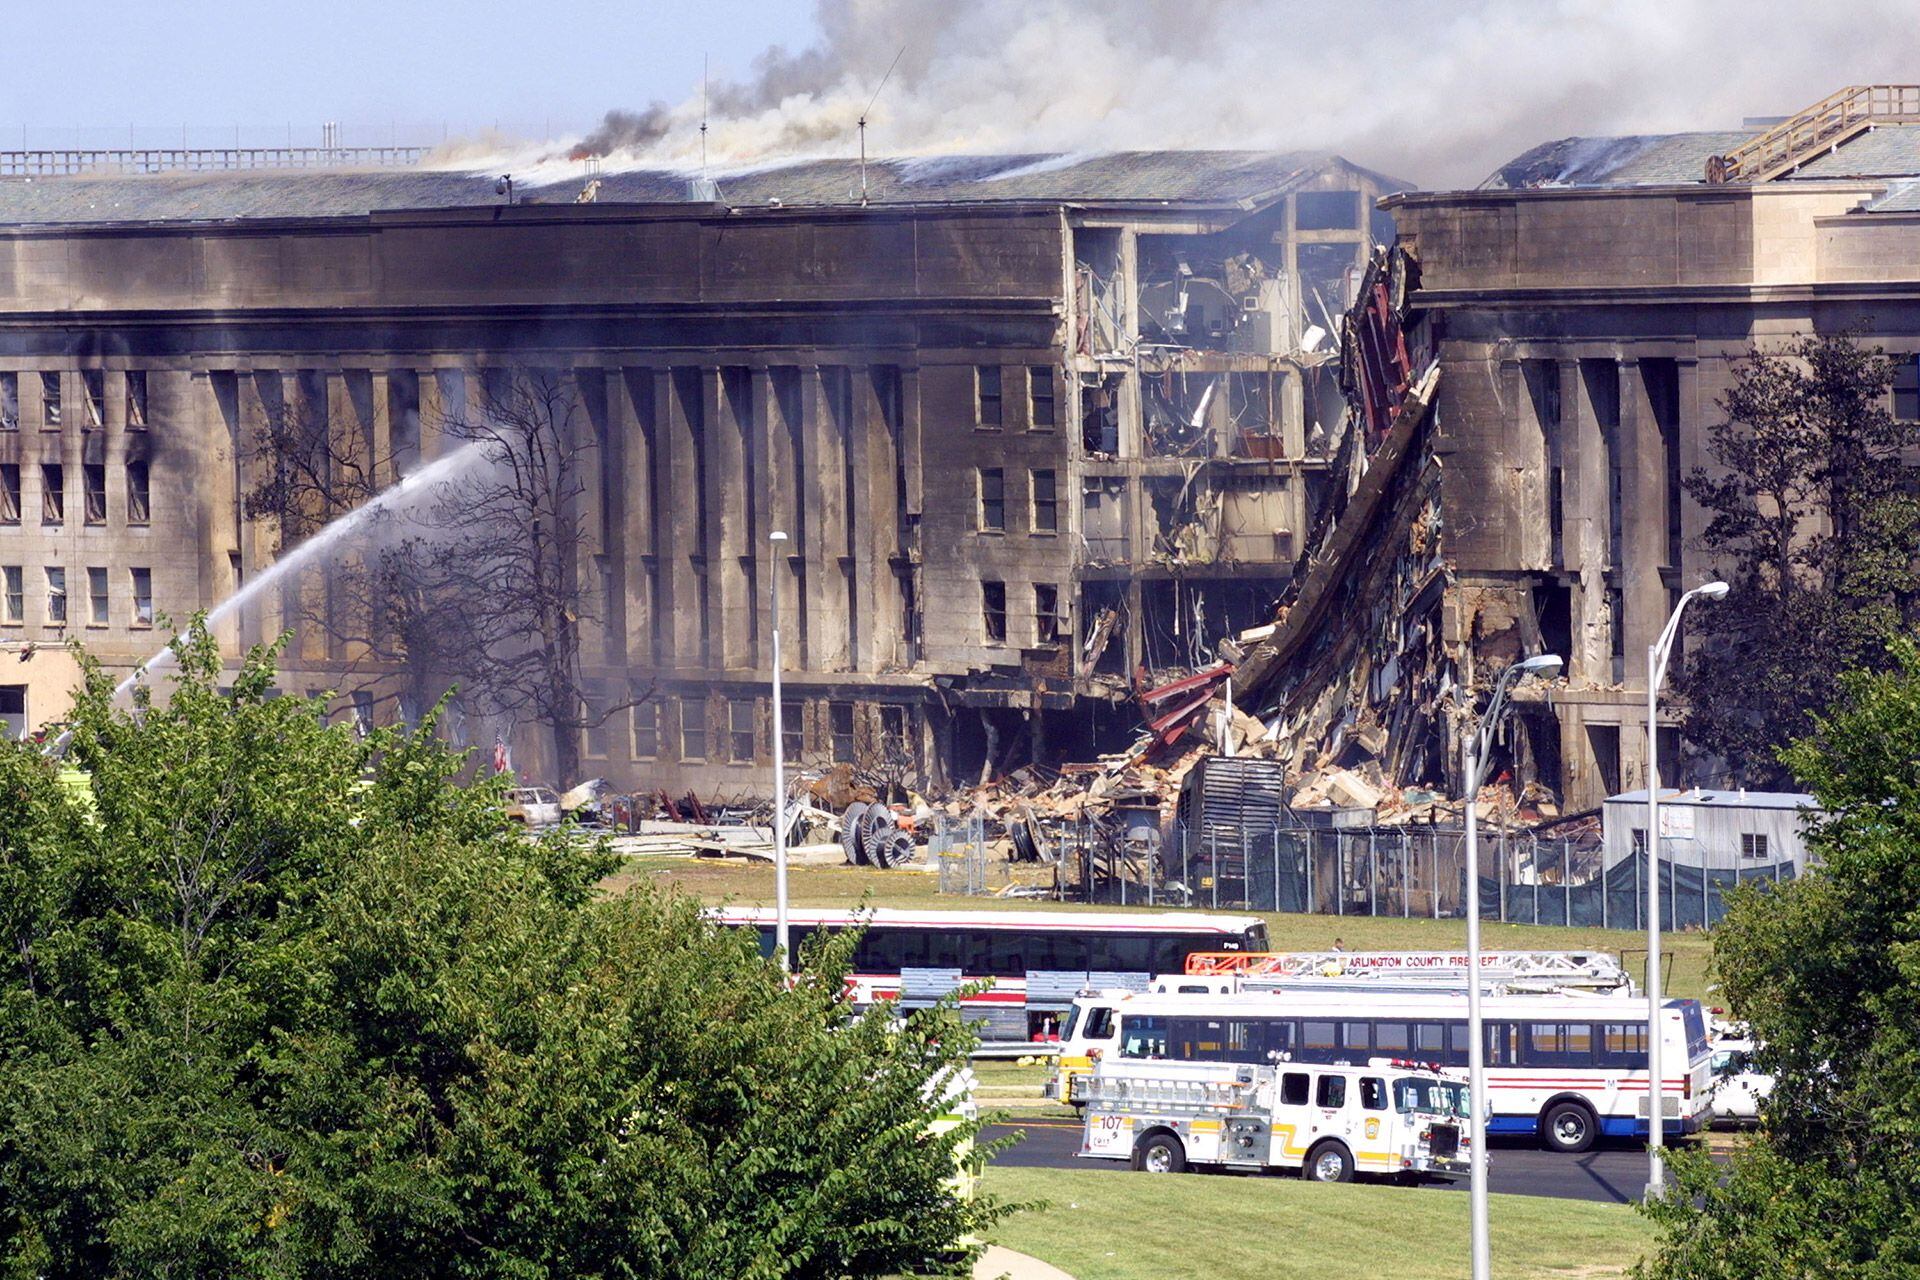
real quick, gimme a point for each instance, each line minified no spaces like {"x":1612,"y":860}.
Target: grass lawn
{"x":751,"y":884}
{"x":1118,"y":1226}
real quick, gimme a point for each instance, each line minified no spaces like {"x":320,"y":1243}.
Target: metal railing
{"x":148,"y":160}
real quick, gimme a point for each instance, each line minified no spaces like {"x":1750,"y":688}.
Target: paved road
{"x":1612,"y":1173}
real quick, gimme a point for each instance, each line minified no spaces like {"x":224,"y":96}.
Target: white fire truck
{"x":1389,"y":1118}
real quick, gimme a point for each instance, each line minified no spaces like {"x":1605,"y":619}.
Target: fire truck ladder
{"x":1820,"y":128}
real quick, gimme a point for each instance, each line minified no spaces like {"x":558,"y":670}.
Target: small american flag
{"x":501,"y":760}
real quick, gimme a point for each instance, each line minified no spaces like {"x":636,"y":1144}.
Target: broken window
{"x":840,"y":725}
{"x":9,"y":402}
{"x":693,"y":729}
{"x":1103,"y":525}
{"x":142,"y":597}
{"x":53,"y":493}
{"x":986,"y":382}
{"x":1906,"y":388}
{"x":95,"y":477}
{"x":1046,"y":503}
{"x":16,"y":594}
{"x":1253,"y":402}
{"x":1326,"y":210}
{"x":136,"y":399}
{"x":993,"y":605}
{"x":894,"y":745}
{"x":1096,"y":287}
{"x":139,"y":500}
{"x":740,"y":730}
{"x":1048,"y":626}
{"x":56,"y":596}
{"x":1040,"y":397}
{"x":9,"y":493}
{"x":1184,"y":415}
{"x":793,"y":731}
{"x":93,"y":386}
{"x":96,"y":597}
{"x":1100,"y":413}
{"x":50,"y":401}
{"x":597,"y":741}
{"x":993,"y":500}
{"x":643,"y":726}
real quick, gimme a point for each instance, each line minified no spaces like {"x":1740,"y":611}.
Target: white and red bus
{"x":1038,"y":960}
{"x":1566,"y":1069}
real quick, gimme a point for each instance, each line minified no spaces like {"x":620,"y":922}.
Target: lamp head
{"x":1712,"y":591}
{"x":776,"y":536}
{"x":1544,"y":665}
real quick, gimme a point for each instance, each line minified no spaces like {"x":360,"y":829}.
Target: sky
{"x":1436,"y":93}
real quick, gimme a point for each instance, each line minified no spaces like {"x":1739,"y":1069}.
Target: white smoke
{"x":1436,"y":94}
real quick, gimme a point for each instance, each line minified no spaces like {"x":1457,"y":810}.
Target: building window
{"x":136,"y":399}
{"x":13,"y":710}
{"x":9,"y":493}
{"x":598,"y":735}
{"x":96,"y":597}
{"x":1046,"y":613}
{"x":142,"y":597}
{"x":50,"y":401}
{"x":139,"y":497}
{"x":993,"y":500}
{"x":644,"y":723}
{"x":1753,"y":844}
{"x":53,"y":493}
{"x":93,"y":386}
{"x":9,"y":402}
{"x":986,"y":385}
{"x":363,"y":712}
{"x":1906,"y":388}
{"x":95,"y":477}
{"x":1326,"y":210}
{"x":1040,"y":393}
{"x":993,"y":608}
{"x":56,"y":597}
{"x":1639,"y":842}
{"x":1046,"y":503}
{"x":893,"y":734}
{"x":740,"y":730}
{"x":793,"y":731}
{"x":693,"y":729}
{"x":840,"y":723}
{"x":16,"y":594}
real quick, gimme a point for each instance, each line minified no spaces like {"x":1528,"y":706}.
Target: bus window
{"x":1293,"y":1089}
{"x":1623,"y":1044}
{"x":1457,"y":1043}
{"x":1503,"y":1044}
{"x":1356,"y":1037}
{"x":1373,"y":1093}
{"x":1332,"y":1092}
{"x":1317,"y":1037}
{"x":1556,"y":1044}
{"x":1006,"y":954}
{"x":1430,"y":1039}
{"x":1122,"y":954}
{"x":1255,"y":938}
{"x":1143,"y":1037}
{"x":766,"y":941}
{"x":1391,"y":1037}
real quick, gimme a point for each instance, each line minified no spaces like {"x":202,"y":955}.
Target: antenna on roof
{"x":703,"y":115}
{"x":863,"y":121}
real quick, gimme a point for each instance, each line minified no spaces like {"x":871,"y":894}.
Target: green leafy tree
{"x":1809,"y":517}
{"x":287,"y":1002}
{"x":1826,"y":970}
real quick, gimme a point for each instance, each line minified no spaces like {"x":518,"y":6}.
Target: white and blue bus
{"x":1567,"y":1069}
{"x":1038,"y":961}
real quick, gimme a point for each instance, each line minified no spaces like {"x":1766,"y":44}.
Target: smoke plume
{"x":1436,"y":94}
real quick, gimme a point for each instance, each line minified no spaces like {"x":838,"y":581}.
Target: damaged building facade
{"x":1584,"y":311}
{"x":1040,"y":430}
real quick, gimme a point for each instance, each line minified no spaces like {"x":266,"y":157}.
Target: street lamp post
{"x":1657,"y":655}
{"x":781,"y":941}
{"x":1474,"y":750}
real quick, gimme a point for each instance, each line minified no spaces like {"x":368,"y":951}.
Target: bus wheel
{"x":1329,"y":1162}
{"x":1569,"y":1127}
{"x":1160,"y":1153}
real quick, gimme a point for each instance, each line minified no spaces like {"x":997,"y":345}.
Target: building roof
{"x":1701,"y":799}
{"x":1885,"y":151}
{"x":1121,"y":177}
